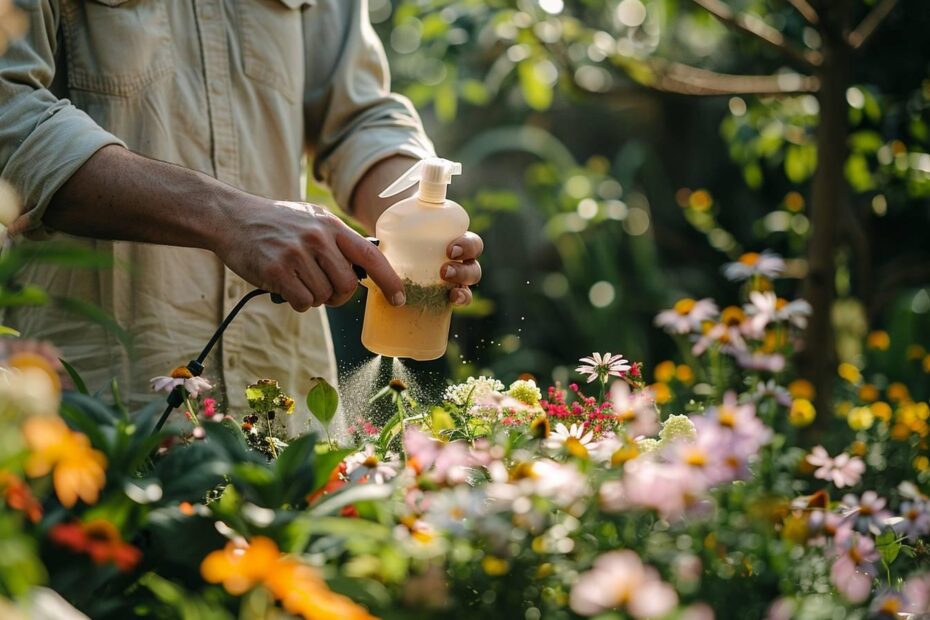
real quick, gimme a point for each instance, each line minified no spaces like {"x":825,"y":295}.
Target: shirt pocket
{"x":272,"y":43}
{"x":116,"y":47}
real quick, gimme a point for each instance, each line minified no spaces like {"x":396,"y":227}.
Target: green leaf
{"x":865,"y":141}
{"x":858,"y":173}
{"x":474,"y":92}
{"x":188,"y":473}
{"x":322,"y":400}
{"x":295,"y":469}
{"x":888,"y":546}
{"x":8,"y":331}
{"x":536,"y":91}
{"x":26,"y":296}
{"x":800,"y":162}
{"x":228,"y":437}
{"x":76,"y":378}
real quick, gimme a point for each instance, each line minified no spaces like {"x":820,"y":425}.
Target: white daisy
{"x":181,"y":376}
{"x":560,"y":435}
{"x":686,"y":315}
{"x":366,"y":464}
{"x":767,"y":264}
{"x":599,"y":366}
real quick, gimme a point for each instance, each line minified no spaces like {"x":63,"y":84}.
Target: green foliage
{"x":322,"y":401}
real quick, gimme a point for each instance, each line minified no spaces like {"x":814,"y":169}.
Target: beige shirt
{"x":238,"y":89}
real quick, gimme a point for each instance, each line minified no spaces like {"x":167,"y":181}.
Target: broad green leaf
{"x":440,"y":420}
{"x":888,"y":546}
{"x":188,"y":473}
{"x":8,"y":331}
{"x":322,"y":400}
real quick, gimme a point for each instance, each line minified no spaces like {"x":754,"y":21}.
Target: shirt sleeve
{"x":352,"y":118}
{"x":43,"y":139}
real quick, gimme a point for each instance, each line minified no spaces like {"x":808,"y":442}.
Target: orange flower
{"x":238,"y":569}
{"x":299,"y":588}
{"x":78,"y":471}
{"x":19,"y":496}
{"x":100,"y":540}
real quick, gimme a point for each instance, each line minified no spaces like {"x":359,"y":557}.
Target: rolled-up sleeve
{"x":353,"y":120}
{"x":43,"y":139}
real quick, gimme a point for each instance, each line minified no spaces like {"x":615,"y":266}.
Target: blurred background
{"x":618,"y":152}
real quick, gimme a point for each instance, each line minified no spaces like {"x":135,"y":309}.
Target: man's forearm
{"x":119,"y":195}
{"x":366,"y":206}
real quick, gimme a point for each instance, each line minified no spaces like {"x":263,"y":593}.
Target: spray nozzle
{"x":431,"y":171}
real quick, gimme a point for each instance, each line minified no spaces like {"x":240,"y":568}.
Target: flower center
{"x":181,"y":372}
{"x":732,"y":316}
{"x":854,"y":555}
{"x":727,"y":417}
{"x":371,"y":462}
{"x":749,"y":258}
{"x":684,"y":306}
{"x":695,"y":458}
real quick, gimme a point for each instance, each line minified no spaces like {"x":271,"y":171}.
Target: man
{"x":100,"y":94}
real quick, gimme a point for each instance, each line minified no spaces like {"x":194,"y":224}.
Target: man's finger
{"x":315,"y":279}
{"x":460,"y":296}
{"x":467,"y":273}
{"x":359,"y":251}
{"x":467,"y":247}
{"x":294,"y":292}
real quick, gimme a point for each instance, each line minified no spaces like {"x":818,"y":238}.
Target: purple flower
{"x":915,"y":519}
{"x":867,"y":512}
{"x":854,"y":567}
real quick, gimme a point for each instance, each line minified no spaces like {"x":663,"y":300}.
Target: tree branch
{"x":871,"y":22}
{"x":684,"y":79}
{"x":758,"y":28}
{"x":806,"y":10}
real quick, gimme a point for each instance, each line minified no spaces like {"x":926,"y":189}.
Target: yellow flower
{"x":665,"y":371}
{"x":494,"y":566}
{"x":898,"y":392}
{"x":843,"y":408}
{"x":849,"y":373}
{"x":915,"y":352}
{"x":881,"y":410}
{"x":921,"y":463}
{"x":802,"y":412}
{"x":78,"y":471}
{"x":868,"y":393}
{"x":662,"y":393}
{"x":860,"y":419}
{"x":700,"y":200}
{"x":878,"y":340}
{"x":684,"y":374}
{"x":802,"y":388}
{"x":926,"y":364}
{"x":858,"y":448}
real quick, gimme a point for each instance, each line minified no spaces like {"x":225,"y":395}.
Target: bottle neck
{"x":433,"y":193}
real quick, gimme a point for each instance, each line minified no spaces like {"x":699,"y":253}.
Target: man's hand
{"x":463,"y":270}
{"x":299,"y":251}
{"x":305,"y":254}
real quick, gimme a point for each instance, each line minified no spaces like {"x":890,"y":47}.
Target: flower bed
{"x":701,"y":494}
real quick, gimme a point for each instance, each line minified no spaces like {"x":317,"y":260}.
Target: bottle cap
{"x":433,"y":174}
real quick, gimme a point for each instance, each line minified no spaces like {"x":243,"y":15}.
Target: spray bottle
{"x":414,"y":235}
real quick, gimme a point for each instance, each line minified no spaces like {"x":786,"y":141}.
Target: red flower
{"x":100,"y":540}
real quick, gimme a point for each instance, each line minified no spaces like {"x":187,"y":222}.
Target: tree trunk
{"x":829,"y":195}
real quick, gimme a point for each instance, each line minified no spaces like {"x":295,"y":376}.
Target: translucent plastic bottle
{"x":414,"y":235}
